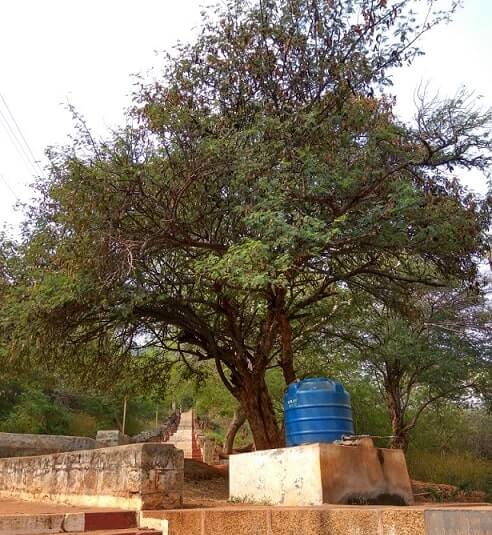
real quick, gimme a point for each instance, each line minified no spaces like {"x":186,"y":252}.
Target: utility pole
{"x":123,"y":425}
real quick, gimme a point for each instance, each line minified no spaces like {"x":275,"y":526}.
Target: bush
{"x":35,"y":412}
{"x":82,"y":425}
{"x":463,"y":470}
{"x":369,"y":414}
{"x":9,"y":396}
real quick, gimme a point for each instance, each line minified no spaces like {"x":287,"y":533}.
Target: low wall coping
{"x":26,"y":444}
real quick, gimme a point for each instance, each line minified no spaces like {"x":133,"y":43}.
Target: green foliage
{"x":465,"y":471}
{"x":453,"y":428}
{"x":369,"y":413}
{"x":261,"y":182}
{"x":30,"y":405}
{"x":82,"y":425}
{"x":445,"y":430}
{"x":434,"y":346}
{"x":35,"y":412}
{"x":9,"y":394}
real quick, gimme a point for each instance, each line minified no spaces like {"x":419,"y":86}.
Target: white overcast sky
{"x":84,"y":52}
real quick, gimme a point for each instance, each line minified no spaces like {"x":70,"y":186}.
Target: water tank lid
{"x":316,"y":379}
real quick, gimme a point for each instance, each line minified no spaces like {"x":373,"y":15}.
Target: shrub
{"x":82,"y":425}
{"x":35,"y":412}
{"x":463,"y":470}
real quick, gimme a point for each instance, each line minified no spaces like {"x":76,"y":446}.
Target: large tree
{"x":260,"y":180}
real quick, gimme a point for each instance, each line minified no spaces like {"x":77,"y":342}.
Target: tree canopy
{"x":263,"y":179}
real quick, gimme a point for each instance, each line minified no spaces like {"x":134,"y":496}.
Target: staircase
{"x":184,"y":438}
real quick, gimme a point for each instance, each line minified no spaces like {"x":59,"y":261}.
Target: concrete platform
{"x":324,"y":520}
{"x":316,"y":474}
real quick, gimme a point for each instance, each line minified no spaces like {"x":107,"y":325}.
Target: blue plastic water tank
{"x":316,"y":410}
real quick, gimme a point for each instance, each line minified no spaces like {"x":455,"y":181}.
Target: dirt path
{"x":204,"y":485}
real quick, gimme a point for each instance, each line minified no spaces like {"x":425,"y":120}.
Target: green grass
{"x":465,"y":471}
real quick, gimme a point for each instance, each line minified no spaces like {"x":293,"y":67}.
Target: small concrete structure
{"x":317,"y":474}
{"x":207,"y":447}
{"x":23,"y":444}
{"x":138,"y":476}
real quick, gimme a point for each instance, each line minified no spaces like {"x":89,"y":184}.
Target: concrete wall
{"x":315,"y":474}
{"x":22,"y":444}
{"x":137,"y":476}
{"x":359,"y":474}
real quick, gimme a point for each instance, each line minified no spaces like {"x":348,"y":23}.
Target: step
{"x":115,"y":520}
{"x":107,"y":522}
{"x":134,"y":531}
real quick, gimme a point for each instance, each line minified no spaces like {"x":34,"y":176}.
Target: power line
{"x":4,"y":180}
{"x":26,"y":144}
{"x":17,"y":144}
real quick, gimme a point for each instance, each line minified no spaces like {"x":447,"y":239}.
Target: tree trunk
{"x":398,"y":428}
{"x":257,"y":404}
{"x":287,"y":359}
{"x":237,"y":421}
{"x":396,"y":409}
{"x":400,"y":436}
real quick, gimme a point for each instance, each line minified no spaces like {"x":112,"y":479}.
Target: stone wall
{"x":160,"y":433}
{"x":111,"y":437}
{"x":22,"y":444}
{"x":137,"y":476}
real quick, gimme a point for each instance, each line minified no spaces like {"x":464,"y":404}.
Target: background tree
{"x":436,"y":346}
{"x":264,"y":177}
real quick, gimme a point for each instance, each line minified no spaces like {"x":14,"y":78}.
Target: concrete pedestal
{"x":315,"y":474}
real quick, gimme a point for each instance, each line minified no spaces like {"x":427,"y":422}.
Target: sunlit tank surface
{"x":316,"y":410}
